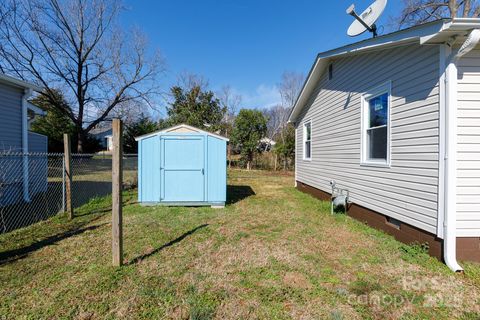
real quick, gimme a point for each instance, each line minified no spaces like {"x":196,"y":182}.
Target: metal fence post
{"x":63,"y":183}
{"x":117,"y":175}
{"x":68,"y":174}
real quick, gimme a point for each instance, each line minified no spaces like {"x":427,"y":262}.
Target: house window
{"x":307,"y":140}
{"x":376,"y":128}
{"x":330,"y":72}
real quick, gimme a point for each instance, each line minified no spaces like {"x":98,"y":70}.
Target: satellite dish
{"x":366,"y":20}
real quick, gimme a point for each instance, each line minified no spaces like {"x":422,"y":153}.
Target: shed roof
{"x":436,"y":32}
{"x":179,"y":127}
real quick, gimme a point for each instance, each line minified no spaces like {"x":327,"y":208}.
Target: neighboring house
{"x":104,"y":135}
{"x":22,"y":174}
{"x":266,"y":144}
{"x":396,"y":121}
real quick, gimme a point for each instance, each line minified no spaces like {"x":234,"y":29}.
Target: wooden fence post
{"x":67,"y":153}
{"x":117,"y":177}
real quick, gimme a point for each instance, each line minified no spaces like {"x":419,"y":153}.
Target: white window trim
{"x":364,"y":161}
{"x":304,"y":139}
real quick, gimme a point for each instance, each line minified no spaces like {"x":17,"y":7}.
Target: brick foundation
{"x":468,"y":249}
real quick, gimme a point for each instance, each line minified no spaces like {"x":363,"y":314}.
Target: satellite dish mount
{"x":372,"y":28}
{"x":366,"y":20}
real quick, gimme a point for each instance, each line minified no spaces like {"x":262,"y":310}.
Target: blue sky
{"x":245,"y":44}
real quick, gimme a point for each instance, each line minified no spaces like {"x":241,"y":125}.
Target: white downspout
{"x":451,"y":105}
{"x":26,"y":95}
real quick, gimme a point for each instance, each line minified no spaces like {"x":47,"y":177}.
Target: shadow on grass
{"x":43,"y":205}
{"x":20,"y":253}
{"x":238,"y":193}
{"x":168,"y":244}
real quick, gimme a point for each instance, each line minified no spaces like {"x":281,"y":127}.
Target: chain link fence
{"x":32,"y":186}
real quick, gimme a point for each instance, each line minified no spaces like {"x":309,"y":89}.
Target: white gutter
{"x":472,"y":40}
{"x":36,"y":109}
{"x":19,"y":83}
{"x":451,"y":105}
{"x":25,"y":105}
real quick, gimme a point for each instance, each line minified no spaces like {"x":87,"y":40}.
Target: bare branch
{"x":230,"y":101}
{"x":420,"y":11}
{"x":290,"y":87}
{"x":74,"y":47}
{"x":189,"y":80}
{"x":476,"y":12}
{"x":467,"y":6}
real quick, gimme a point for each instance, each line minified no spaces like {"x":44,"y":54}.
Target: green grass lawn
{"x":272,"y":253}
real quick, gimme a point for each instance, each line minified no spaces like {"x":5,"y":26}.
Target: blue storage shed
{"x":182,"y":166}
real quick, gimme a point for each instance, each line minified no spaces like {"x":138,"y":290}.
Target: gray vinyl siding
{"x":10,"y":118}
{"x":408,"y":190}
{"x":38,"y":163}
{"x":468,"y":145}
{"x":37,"y":143}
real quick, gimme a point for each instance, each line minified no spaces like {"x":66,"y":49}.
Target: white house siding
{"x":468,"y":147}
{"x":10,"y":118}
{"x":406,"y":191}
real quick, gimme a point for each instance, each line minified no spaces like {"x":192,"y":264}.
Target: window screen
{"x":307,"y":138}
{"x":377,"y":128}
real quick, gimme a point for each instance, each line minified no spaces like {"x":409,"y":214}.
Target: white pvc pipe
{"x":470,"y":43}
{"x":450,"y":219}
{"x":451,"y":105}
{"x":26,"y":95}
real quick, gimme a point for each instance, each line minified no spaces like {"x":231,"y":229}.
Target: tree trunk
{"x":229,"y":157}
{"x":81,"y":139}
{"x":250,"y":161}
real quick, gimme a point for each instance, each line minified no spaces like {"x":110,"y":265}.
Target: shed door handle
{"x":203,"y":171}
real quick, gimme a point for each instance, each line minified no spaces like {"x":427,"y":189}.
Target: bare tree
{"x":289,"y":88}
{"x":231,"y":102}
{"x":420,"y":11}
{"x":188,"y":80}
{"x":277,"y":118}
{"x":75,"y":47}
{"x":131,"y":111}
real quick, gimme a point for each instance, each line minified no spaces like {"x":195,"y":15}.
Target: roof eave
{"x":455,"y":28}
{"x":19,"y":83}
{"x":179,"y":126}
{"x":409,"y":35}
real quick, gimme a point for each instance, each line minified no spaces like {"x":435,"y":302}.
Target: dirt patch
{"x":237,"y":309}
{"x":296,"y":280}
